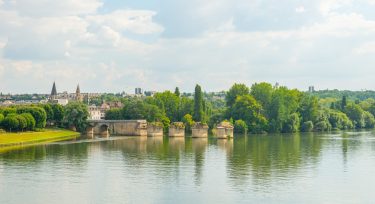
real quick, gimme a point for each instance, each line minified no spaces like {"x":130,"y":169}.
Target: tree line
{"x":260,"y":108}
{"x":36,"y":117}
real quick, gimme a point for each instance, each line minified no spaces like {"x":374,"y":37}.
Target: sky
{"x":117,"y":45}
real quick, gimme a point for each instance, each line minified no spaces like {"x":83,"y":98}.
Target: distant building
{"x":311,"y":89}
{"x":138,"y":91}
{"x":53,"y":95}
{"x":95,"y":113}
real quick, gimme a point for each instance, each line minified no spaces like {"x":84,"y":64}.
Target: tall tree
{"x":177,"y":92}
{"x":198,"y":104}
{"x":235,"y":91}
{"x":343,"y":103}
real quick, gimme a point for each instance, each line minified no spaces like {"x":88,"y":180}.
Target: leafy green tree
{"x":113,"y":114}
{"x":6,"y":111}
{"x":262,"y":92}
{"x":39,"y":114}
{"x":198,"y":104}
{"x":343,"y":103}
{"x":10,"y":122}
{"x":235,"y":91}
{"x":369,"y":119}
{"x":29,"y":120}
{"x":170,"y":104}
{"x":188,"y":122}
{"x":248,"y":109}
{"x":1,"y":119}
{"x":22,"y":122}
{"x":309,"y":108}
{"x":49,"y":111}
{"x":356,"y":114}
{"x":292,"y":124}
{"x":76,"y":115}
{"x":58,"y":113}
{"x":307,"y":126}
{"x":322,"y":123}
{"x":339,"y":120}
{"x":240,"y":126}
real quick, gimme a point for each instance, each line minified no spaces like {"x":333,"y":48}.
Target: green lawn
{"x":25,"y":138}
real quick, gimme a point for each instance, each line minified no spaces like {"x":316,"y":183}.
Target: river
{"x":278,"y":168}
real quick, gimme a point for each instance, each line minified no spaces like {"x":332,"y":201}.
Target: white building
{"x":95,"y":113}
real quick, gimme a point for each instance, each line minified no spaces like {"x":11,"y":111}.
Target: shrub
{"x":10,"y":122}
{"x":30,"y":121}
{"x":240,"y":126}
{"x":307,"y":126}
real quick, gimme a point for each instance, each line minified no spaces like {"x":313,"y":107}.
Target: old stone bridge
{"x":105,"y":128}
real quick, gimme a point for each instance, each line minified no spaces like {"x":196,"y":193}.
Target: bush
{"x":39,"y":114}
{"x":307,"y":126}
{"x":10,"y":122}
{"x":22,"y":122}
{"x":1,"y":119}
{"x":322,"y":126}
{"x":240,"y":126}
{"x":30,"y":121}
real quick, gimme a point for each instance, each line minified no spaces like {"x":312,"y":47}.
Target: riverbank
{"x":31,"y":138}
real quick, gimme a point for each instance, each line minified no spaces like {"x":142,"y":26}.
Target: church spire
{"x":53,"y":92}
{"x":78,"y":94}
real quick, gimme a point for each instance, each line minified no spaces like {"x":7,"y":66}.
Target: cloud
{"x":43,"y":8}
{"x":213,"y":43}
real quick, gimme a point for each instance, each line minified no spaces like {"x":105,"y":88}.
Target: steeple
{"x":78,"y":94}
{"x":53,"y":92}
{"x":78,"y":90}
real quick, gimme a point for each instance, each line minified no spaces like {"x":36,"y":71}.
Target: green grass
{"x":26,"y":138}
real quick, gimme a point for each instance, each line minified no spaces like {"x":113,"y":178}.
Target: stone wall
{"x":199,"y":130}
{"x":177,"y":130}
{"x":154,"y":130}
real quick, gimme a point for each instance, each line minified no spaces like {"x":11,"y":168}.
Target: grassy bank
{"x":27,"y":138}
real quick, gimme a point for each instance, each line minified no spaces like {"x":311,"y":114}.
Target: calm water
{"x":283,"y":168}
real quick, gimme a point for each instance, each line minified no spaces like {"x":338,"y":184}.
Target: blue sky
{"x":114,"y":46}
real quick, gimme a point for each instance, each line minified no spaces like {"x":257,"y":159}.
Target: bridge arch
{"x":104,"y":130}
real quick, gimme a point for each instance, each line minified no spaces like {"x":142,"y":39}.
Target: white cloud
{"x":45,"y":8}
{"x":300,"y":9}
{"x":136,"y":21}
{"x":366,"y":48}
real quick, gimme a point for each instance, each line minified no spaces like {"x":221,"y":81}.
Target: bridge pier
{"x":90,"y":132}
{"x":104,"y":131}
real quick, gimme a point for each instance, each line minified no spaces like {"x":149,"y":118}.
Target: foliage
{"x":76,"y":115}
{"x":30,"y":121}
{"x":188,"y":122}
{"x":235,"y":91}
{"x":307,"y":126}
{"x":113,"y":114}
{"x":58,"y":113}
{"x":356,"y":114}
{"x":10,"y":122}
{"x":198,"y":114}
{"x":240,"y":126}
{"x":39,"y":114}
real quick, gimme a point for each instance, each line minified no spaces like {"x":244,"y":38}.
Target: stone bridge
{"x":105,"y":128}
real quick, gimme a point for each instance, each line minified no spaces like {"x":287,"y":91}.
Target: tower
{"x":53,"y":92}
{"x":78,"y":94}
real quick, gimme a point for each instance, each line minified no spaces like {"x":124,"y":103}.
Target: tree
{"x":75,"y":116}
{"x":343,"y":103}
{"x":309,"y":108}
{"x":235,"y":91}
{"x":248,"y":109}
{"x":369,"y":119}
{"x":39,"y":114}
{"x":198,"y":104}
{"x":10,"y":122}
{"x":58,"y":113}
{"x":1,"y":119}
{"x":113,"y":114}
{"x":240,"y":126}
{"x":29,"y":120}
{"x":49,"y":111}
{"x":177,"y":92}
{"x":188,"y":122}
{"x":307,"y":126}
{"x":262,"y":92}
{"x":22,"y":122}
{"x":292,"y":124}
{"x":356,"y":114}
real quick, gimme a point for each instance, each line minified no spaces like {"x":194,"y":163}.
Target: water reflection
{"x":256,"y":161}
